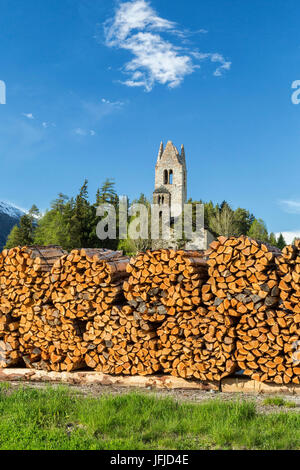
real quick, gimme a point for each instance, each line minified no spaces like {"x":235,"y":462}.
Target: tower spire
{"x":182,"y":153}
{"x":160,"y":152}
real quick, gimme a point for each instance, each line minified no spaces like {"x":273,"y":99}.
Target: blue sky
{"x":93,"y":86}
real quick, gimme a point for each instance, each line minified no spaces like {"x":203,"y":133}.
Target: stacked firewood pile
{"x":163,"y":283}
{"x":243,"y":277}
{"x":198,"y":344}
{"x":121,"y":342}
{"x":244,"y":287}
{"x":25,"y":277}
{"x":187,"y":313}
{"x":9,"y":341}
{"x":164,"y":288}
{"x":87,"y":282}
{"x":84,"y":284}
{"x":24,"y":283}
{"x":9,"y":334}
{"x":49,"y":341}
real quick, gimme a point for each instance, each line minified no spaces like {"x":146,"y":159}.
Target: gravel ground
{"x":192,"y":396}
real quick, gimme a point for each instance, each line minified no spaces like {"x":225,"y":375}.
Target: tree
{"x":222,"y":223}
{"x":272,"y":239}
{"x":107,"y":193}
{"x":83,"y":218}
{"x":22,"y":234}
{"x":14,"y":238}
{"x":130,"y":246}
{"x":55,"y":227}
{"x":281,"y":242}
{"x":242,"y":221}
{"x":258,"y":231}
{"x":34,"y":212}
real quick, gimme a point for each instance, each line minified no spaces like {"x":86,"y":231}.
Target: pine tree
{"x":281,"y":242}
{"x":258,"y":231}
{"x":222,"y":223}
{"x":22,"y":234}
{"x":56,"y":226}
{"x":14,"y":238}
{"x":242,"y":221}
{"x":272,"y":239}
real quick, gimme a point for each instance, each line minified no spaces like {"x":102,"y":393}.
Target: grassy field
{"x":60,"y":419}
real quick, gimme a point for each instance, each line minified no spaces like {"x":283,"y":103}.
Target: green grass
{"x":279,"y":401}
{"x":56,"y":418}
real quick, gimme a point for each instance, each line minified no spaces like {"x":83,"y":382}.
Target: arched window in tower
{"x":158,"y":199}
{"x":166,"y":177}
{"x":162,"y":199}
{"x":171,"y":177}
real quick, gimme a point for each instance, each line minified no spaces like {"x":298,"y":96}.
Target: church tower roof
{"x":169,"y":153}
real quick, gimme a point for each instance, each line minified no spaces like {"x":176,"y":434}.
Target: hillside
{"x":9,"y":216}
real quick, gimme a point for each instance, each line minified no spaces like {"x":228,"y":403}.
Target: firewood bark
{"x":25,"y":277}
{"x":48,"y":341}
{"x":198,"y":344}
{"x":121,"y":342}
{"x":86,"y":282}
{"x":163,"y":283}
{"x":243,"y":276}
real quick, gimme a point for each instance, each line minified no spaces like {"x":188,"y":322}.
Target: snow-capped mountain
{"x":9,"y":209}
{"x":9,"y":216}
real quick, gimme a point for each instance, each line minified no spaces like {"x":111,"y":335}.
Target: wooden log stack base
{"x":9,"y":341}
{"x":121,"y":342}
{"x":165,"y":282}
{"x":267,"y":346}
{"x":198,"y":344}
{"x":87,"y":282}
{"x":50,"y":342}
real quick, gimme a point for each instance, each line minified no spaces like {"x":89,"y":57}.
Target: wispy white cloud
{"x":28,"y":115}
{"x":45,"y":124}
{"x":96,"y":110}
{"x":291,"y":206}
{"x":84,"y":132}
{"x":215,"y":58}
{"x":116,"y":104}
{"x":137,"y":28}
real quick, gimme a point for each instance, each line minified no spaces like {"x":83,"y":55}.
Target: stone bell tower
{"x":171,"y":178}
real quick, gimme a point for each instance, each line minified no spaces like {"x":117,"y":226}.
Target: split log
{"x":25,"y":277}
{"x":50,"y":342}
{"x":267,"y":346}
{"x":243,"y":276}
{"x":9,"y":342}
{"x":165,"y":282}
{"x":198,"y":344}
{"x":86,"y":282}
{"x":288,"y":265}
{"x":121,"y":342}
